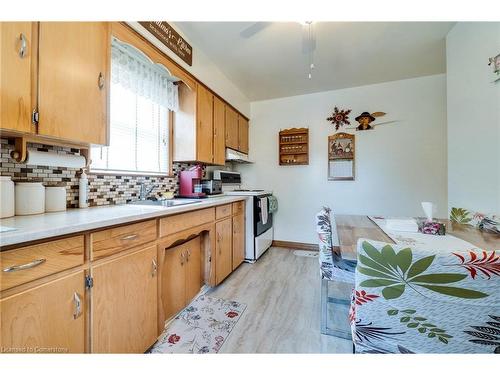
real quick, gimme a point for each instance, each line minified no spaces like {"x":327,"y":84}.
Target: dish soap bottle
{"x":82,"y":190}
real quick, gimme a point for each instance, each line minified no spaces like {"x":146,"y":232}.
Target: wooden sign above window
{"x":171,"y":38}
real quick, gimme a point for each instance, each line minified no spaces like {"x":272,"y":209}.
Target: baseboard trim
{"x":296,"y":245}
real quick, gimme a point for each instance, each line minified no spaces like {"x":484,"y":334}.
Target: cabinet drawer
{"x":173,"y":224}
{"x":114,"y":240}
{"x":29,"y":263}
{"x":223,"y":211}
{"x":238,"y":207}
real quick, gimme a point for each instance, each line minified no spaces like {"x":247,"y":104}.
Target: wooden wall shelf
{"x":294,"y":146}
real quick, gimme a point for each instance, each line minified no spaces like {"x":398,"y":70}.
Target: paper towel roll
{"x":52,"y":159}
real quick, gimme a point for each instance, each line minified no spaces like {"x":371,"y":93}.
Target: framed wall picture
{"x":341,"y":156}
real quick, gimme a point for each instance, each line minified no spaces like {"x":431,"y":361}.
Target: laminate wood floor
{"x":282,"y":293}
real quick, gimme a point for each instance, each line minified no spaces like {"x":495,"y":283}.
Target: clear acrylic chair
{"x":333,"y":270}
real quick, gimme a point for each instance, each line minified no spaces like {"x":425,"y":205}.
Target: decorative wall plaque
{"x":170,"y":38}
{"x":341,"y":152}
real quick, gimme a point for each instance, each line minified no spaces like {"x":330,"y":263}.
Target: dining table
{"x":350,"y":228}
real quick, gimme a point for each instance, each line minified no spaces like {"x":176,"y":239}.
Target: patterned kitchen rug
{"x":202,"y":327}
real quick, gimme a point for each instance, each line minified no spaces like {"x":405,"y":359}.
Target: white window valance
{"x":135,"y":71}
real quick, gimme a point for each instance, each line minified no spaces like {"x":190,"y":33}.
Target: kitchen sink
{"x":166,"y":203}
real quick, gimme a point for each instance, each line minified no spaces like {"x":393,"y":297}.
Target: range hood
{"x":235,"y":156}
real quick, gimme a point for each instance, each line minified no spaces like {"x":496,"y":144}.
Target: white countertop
{"x":36,"y":227}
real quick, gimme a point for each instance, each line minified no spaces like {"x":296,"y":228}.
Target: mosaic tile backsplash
{"x":104,"y":189}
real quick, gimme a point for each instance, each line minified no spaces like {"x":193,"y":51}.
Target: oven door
{"x":259,"y":225}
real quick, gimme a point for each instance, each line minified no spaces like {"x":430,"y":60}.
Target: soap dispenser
{"x":82,"y":190}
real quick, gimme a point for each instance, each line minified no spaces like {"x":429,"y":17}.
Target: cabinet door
{"x":73,"y":81}
{"x":173,"y":280}
{"x":219,"y":132}
{"x":46,"y":317}
{"x":124,"y":303}
{"x":193,"y":268}
{"x":238,"y":240}
{"x":231,"y":128}
{"x":17,"y":52}
{"x":205,"y":125}
{"x":243,"y":134}
{"x":223,"y":256}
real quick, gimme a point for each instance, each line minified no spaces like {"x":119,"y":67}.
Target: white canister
{"x":30,"y":198}
{"x":7,"y":197}
{"x":55,"y":198}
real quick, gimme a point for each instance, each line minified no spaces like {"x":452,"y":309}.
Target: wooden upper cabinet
{"x":205,"y":125}
{"x":231,"y":128}
{"x":219,"y":132}
{"x":243,"y":134}
{"x":50,"y":316}
{"x":17,"y":66}
{"x":73,"y":79}
{"x":124,"y":303}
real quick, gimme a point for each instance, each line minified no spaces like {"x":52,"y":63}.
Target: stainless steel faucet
{"x":144,"y":192}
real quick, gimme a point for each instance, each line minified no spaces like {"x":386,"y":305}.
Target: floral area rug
{"x":202,"y":327}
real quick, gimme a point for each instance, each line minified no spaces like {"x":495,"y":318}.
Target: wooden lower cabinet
{"x":45,"y":319}
{"x":193,"y":269}
{"x":173,"y":282}
{"x":238,"y":240}
{"x":223,"y":250}
{"x":124,"y":303}
{"x":181,"y":278}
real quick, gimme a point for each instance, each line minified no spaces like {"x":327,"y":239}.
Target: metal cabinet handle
{"x":155,"y":267}
{"x":24,"y":45}
{"x":129,"y":237}
{"x":100,"y":81}
{"x":188,"y":254}
{"x":78,"y":305}
{"x":26,"y":266}
{"x":182,"y":258}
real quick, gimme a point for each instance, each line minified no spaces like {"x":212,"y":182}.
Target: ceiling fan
{"x":308,"y":38}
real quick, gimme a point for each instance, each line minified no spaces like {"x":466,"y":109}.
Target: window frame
{"x":124,"y":34}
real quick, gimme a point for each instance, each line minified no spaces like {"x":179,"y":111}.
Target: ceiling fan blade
{"x":308,"y":39}
{"x":254,"y":29}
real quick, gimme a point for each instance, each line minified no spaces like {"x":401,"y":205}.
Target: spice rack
{"x":294,"y":146}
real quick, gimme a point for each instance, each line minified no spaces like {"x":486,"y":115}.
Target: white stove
{"x":258,"y":220}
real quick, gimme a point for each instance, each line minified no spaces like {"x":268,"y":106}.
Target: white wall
{"x":204,"y":70}
{"x":397,"y":165}
{"x":473,"y":117}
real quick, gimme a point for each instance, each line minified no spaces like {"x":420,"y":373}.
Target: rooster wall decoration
{"x":339,"y":118}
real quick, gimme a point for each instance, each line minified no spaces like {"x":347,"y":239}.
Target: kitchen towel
{"x":273,"y":204}
{"x":263,"y":210}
